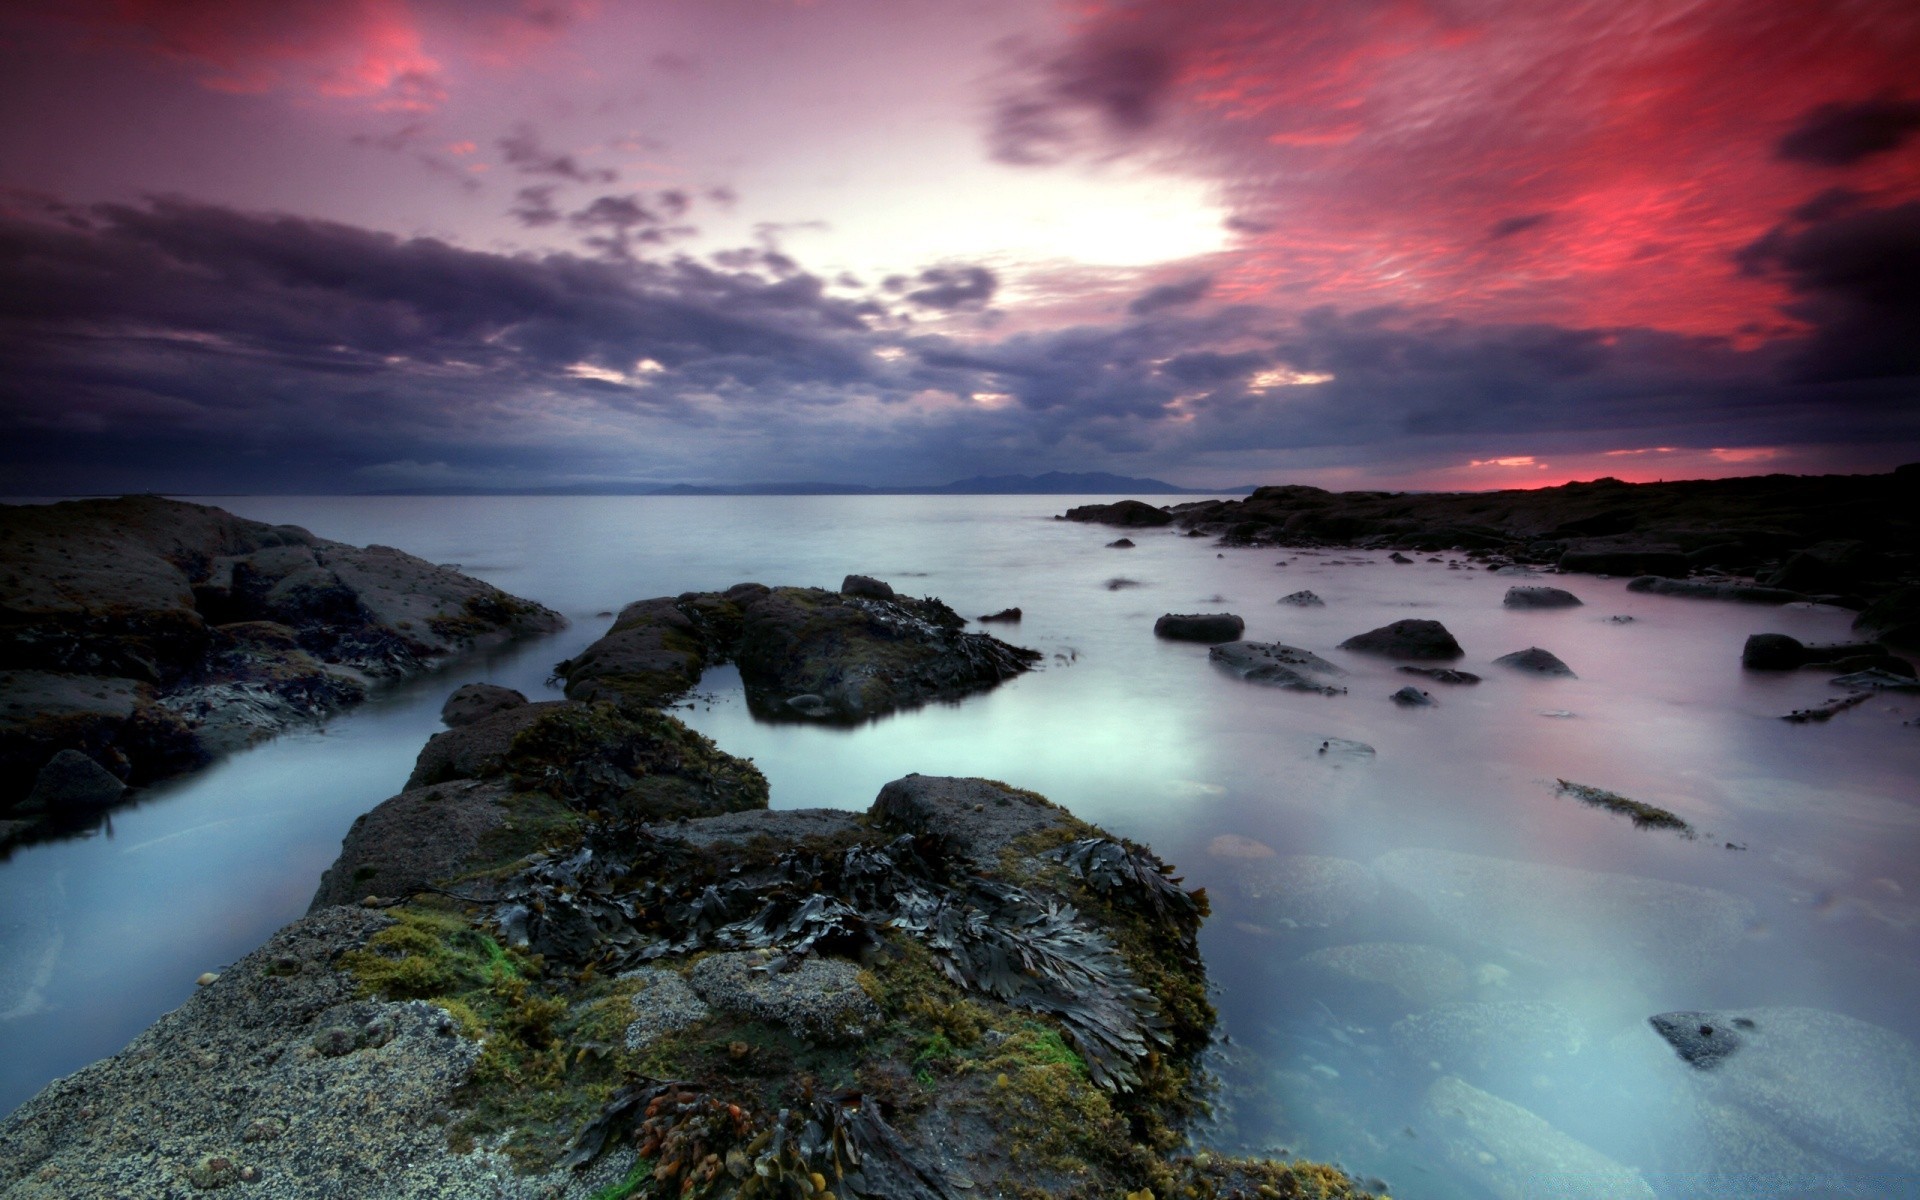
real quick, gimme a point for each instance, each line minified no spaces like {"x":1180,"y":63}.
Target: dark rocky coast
{"x":577,"y":957}
{"x":142,"y":637}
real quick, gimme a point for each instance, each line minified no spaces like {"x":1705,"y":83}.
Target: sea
{"x":1434,"y":964}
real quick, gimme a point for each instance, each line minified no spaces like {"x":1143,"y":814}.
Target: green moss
{"x":642,"y":763}
{"x":635,"y":1179}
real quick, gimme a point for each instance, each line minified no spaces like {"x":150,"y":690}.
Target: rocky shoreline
{"x":578,"y":957}
{"x":142,"y":637}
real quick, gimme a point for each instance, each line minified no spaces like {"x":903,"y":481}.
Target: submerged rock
{"x":1412,"y":697}
{"x":1307,"y":891}
{"x":1414,"y":638}
{"x":1199,"y":627}
{"x":1494,"y":1042}
{"x":1443,"y":674}
{"x":1702,"y":1040}
{"x":1540,"y":597}
{"x":1772,"y":652}
{"x":1277,"y":665}
{"x":1516,"y":1155}
{"x":1535,"y":661}
{"x":1303,"y":599}
{"x":1418,"y":976}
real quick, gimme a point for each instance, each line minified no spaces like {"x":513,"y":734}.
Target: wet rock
{"x":1416,"y":976}
{"x":1412,"y":697}
{"x":981,"y":816}
{"x":1414,"y":638}
{"x":477,"y":749}
{"x":413,"y":839}
{"x":1398,"y":557}
{"x":70,"y":784}
{"x":1772,"y":652}
{"x":1119,"y":582}
{"x":1876,"y":679}
{"x":1647,"y":930}
{"x":1010,"y":616}
{"x":1701,"y":1039}
{"x":1535,"y":661}
{"x":472,"y":701}
{"x":1492,"y":1042}
{"x":866,"y":587}
{"x":1199,"y":627}
{"x":1121,"y":544}
{"x":1303,"y":599}
{"x":1306,"y":891}
{"x":1831,"y":1081}
{"x":819,"y":1000}
{"x":1516,"y":1155}
{"x":1278,"y":665}
{"x":1608,"y":557}
{"x":1444,"y":674}
{"x":1700,"y":589}
{"x":1130,"y":513}
{"x":1540,"y":597}
{"x":664,"y":1004}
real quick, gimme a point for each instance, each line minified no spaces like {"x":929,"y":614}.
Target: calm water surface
{"x":1550,"y":969}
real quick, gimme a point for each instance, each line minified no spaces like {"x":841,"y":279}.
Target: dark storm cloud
{"x":1170,"y":295}
{"x":1509,"y":226}
{"x":523,"y":152}
{"x":1119,"y":84}
{"x":534,"y":207}
{"x":1855,"y":275}
{"x":1839,"y":135}
{"x":954,"y":287}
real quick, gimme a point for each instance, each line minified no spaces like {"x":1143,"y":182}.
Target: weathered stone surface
{"x":419,"y":837}
{"x":476,"y":749}
{"x":867,"y":587}
{"x":819,"y":1000}
{"x":1415,"y":638}
{"x":1278,"y":665}
{"x":1199,"y":627}
{"x":1444,"y":674}
{"x":664,"y":1004}
{"x":1535,"y":661}
{"x":1129,"y":513}
{"x":1540,"y":597}
{"x":472,"y":701}
{"x":72,"y":783}
{"x":981,"y":816}
{"x":1516,"y":1155}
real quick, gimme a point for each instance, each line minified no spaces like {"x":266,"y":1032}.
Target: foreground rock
{"x":803,"y":653}
{"x":1199,"y":627}
{"x":1414,"y":638}
{"x":1278,"y":665}
{"x":152,"y":635}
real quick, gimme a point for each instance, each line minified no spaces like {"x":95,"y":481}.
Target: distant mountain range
{"x":1053,"y":483}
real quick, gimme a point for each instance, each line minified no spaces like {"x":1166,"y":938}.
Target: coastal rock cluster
{"x":149,"y":636}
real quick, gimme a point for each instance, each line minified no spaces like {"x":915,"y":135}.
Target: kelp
{"x":839,"y":1143}
{"x":1134,"y":876}
{"x":627,"y":897}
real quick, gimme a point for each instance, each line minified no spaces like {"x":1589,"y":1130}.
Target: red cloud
{"x":1597,"y":165}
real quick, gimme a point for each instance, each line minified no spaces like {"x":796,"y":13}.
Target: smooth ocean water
{"x":101,"y":935}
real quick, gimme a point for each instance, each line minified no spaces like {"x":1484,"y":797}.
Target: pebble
{"x":206,"y":977}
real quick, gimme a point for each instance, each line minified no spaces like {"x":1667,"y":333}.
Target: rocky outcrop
{"x":1414,"y":638}
{"x":803,"y":653}
{"x":1132,"y":514}
{"x":152,"y":635}
{"x":1199,"y":627}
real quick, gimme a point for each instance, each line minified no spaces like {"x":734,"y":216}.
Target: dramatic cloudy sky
{"x":365,"y":244}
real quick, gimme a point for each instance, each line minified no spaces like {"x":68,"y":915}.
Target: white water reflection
{"x":1540,"y":901}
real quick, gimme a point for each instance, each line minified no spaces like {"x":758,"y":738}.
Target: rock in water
{"x":1307,"y":891}
{"x":1829,"y":1080}
{"x":1414,"y":638}
{"x":1516,"y":1155}
{"x":1540,"y":597}
{"x":1303,"y":599}
{"x":1707,"y":589}
{"x":1277,"y":665}
{"x":1008,"y":616}
{"x":1772,"y":652}
{"x":72,"y":783}
{"x":1121,"y":544}
{"x":472,"y":701}
{"x":1443,"y":674}
{"x":1412,"y":697}
{"x":1129,"y":513}
{"x":1583,"y":921}
{"x":1496,"y":1043}
{"x":1536,"y":661}
{"x":1418,"y":976}
{"x":1199,"y":627}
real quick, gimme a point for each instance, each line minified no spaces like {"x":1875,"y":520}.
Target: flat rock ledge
{"x":152,"y":635}
{"x":803,"y":653}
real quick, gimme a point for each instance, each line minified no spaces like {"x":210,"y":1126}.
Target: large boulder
{"x":1414,"y":638}
{"x":1132,"y":514}
{"x":1199,"y":627}
{"x":470,"y":702}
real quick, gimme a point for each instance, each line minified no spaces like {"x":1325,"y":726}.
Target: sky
{"x":358,"y":245}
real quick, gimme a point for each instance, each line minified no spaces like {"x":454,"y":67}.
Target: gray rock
{"x":1417,"y":976}
{"x":1413,"y":638}
{"x":1303,"y":599}
{"x":1831,"y":1081}
{"x":867,"y":587}
{"x":472,"y":701}
{"x":1535,"y":661}
{"x":72,"y":783}
{"x":1443,"y":674}
{"x":1496,"y":1043}
{"x":980,"y":815}
{"x":1412,"y":697}
{"x":820,"y":1000}
{"x":1700,"y":1039}
{"x":1515,"y":1155}
{"x":1199,"y":627}
{"x":477,"y":749}
{"x":1647,"y":930}
{"x":1277,"y":665}
{"x":416,"y":838}
{"x":1540,"y":597}
{"x":1306,"y":891}
{"x":1120,"y":544}
{"x":787,"y":826}
{"x":665,"y":1003}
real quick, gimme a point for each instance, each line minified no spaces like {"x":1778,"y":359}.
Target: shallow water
{"x":1818,"y":907}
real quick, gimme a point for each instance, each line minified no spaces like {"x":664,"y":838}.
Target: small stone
{"x":213,"y":1171}
{"x":206,"y":977}
{"x":370,"y":902}
{"x":263,"y":1129}
{"x":1412,"y":697}
{"x":335,"y":1041}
